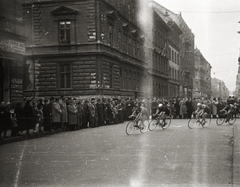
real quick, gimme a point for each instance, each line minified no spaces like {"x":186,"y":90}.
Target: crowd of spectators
{"x":63,"y":113}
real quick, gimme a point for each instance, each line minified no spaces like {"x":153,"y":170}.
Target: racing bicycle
{"x":197,"y":120}
{"x":223,"y":116}
{"x":136,"y":124}
{"x":158,"y":121}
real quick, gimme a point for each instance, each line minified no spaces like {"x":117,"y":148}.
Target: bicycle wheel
{"x":152,"y":125}
{"x":220,"y":120}
{"x":144,"y":126}
{"x":167,"y":123}
{"x":232,"y":120}
{"x":192,"y":123}
{"x":130,"y":128}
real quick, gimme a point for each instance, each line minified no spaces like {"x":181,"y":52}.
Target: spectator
{"x":47,"y":111}
{"x":56,"y":115}
{"x":79,"y":114}
{"x":92,"y":113}
{"x":2,"y":106}
{"x":72,"y":115}
{"x":64,"y":115}
{"x":85,"y":114}
{"x":36,"y":118}
{"x":19,"y":111}
{"x":13,"y":124}
{"x":99,"y":106}
{"x":214,"y":107}
{"x":106,"y":107}
{"x":189,"y":106}
{"x":28,"y":112}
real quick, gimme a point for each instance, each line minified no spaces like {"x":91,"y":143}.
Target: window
{"x":134,"y":81}
{"x":64,"y":32}
{"x":121,"y":77}
{"x":129,"y":11}
{"x":133,"y":15}
{"x":111,"y":76}
{"x":65,"y":76}
{"x":125,"y":79}
{"x":129,"y":45}
{"x":134,"y":47}
{"x":124,"y":42}
{"x":110,"y":32}
{"x":130,"y":80}
{"x":120,"y":41}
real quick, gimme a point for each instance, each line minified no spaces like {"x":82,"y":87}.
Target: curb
{"x":236,"y":156}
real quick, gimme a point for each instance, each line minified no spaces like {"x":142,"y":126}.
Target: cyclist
{"x":200,"y":111}
{"x":162,"y":112}
{"x":230,"y":109}
{"x":141,"y":113}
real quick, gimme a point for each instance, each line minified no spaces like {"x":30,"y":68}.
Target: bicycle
{"x":158,"y":121}
{"x":136,"y":124}
{"x":223,"y":116}
{"x":197,"y":120}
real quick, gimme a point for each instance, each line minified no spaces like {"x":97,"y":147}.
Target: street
{"x":106,"y":156}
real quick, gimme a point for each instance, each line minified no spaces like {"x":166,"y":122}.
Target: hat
{"x":93,"y":99}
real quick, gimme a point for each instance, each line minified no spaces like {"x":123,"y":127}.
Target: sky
{"x":215,"y":25}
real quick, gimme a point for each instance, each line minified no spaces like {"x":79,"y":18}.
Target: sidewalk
{"x":236,"y":156}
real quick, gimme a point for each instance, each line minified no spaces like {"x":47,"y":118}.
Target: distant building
{"x":202,"y":79}
{"x":12,"y":51}
{"x":237,"y":90}
{"x":219,"y":89}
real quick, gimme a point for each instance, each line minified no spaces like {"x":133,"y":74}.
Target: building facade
{"x":219,"y":89}
{"x":12,"y":51}
{"x":237,"y":90}
{"x":202,"y":79}
{"x":180,"y":51}
{"x":94,"y":47}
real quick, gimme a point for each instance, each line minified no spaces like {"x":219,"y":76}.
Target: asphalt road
{"x":106,"y":156}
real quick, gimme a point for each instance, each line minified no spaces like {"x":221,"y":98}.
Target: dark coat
{"x":100,"y":113}
{"x":28,"y":112}
{"x":19,"y":111}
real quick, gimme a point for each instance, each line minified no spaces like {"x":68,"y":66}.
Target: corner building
{"x":83,"y":48}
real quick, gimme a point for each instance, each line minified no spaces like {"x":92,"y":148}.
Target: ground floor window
{"x":65,"y":74}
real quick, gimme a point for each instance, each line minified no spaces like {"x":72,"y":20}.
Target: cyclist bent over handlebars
{"x":162,"y":112}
